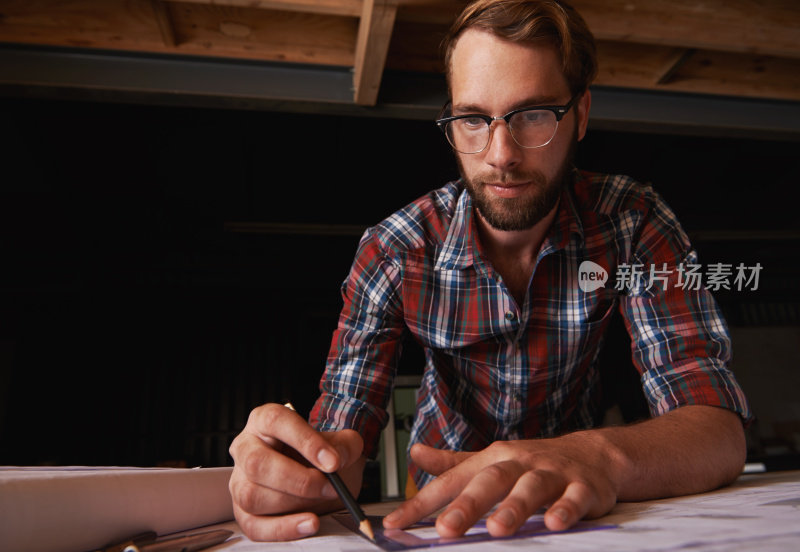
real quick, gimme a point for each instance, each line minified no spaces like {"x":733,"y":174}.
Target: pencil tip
{"x":366,"y":528}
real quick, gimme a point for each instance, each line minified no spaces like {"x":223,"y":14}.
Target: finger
{"x":268,"y":470}
{"x":436,"y":461}
{"x":348,"y":443}
{"x":483,"y":491}
{"x":532,"y":490}
{"x":574,"y":504}
{"x":257,"y":500}
{"x":275,"y":421}
{"x":276,"y":528}
{"x":434,"y":495}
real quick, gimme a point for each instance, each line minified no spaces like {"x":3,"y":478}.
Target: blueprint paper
{"x":758,"y":513}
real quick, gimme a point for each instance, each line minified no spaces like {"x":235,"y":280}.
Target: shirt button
{"x":511,"y":316}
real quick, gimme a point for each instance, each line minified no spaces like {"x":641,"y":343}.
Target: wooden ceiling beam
{"x":769,"y":27}
{"x":372,"y":45}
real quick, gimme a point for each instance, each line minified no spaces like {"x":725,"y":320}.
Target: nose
{"x":503,"y":152}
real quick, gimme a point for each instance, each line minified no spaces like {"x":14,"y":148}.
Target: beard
{"x":519,"y":213}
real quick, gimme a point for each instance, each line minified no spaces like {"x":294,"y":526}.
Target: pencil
{"x":349,"y":501}
{"x":352,"y":506}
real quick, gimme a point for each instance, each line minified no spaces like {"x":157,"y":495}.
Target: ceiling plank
{"x":438,"y":12}
{"x":330,"y":7}
{"x":81,"y":23}
{"x":261,"y":34}
{"x":199,"y":29}
{"x":750,"y":75}
{"x":719,"y":73}
{"x":372,"y":45}
{"x":164,"y":23}
{"x":770,"y":27}
{"x":441,"y":12}
{"x":680,"y":56}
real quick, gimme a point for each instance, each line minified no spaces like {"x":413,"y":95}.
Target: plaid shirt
{"x":497,"y":370}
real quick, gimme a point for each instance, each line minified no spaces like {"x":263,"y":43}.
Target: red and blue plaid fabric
{"x":496,"y":370}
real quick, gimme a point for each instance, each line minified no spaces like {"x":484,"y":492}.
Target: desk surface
{"x":759,"y":512}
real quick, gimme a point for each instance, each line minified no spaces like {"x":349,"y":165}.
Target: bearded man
{"x":484,"y":274}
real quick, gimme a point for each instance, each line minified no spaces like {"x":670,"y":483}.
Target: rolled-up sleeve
{"x":680,"y":342}
{"x":365,"y":349}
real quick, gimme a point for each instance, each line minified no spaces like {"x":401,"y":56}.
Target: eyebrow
{"x":532,"y":101}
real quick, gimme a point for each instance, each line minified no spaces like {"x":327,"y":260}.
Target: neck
{"x":518,"y":245}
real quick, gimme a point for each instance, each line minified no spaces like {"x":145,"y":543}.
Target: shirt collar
{"x":460,"y":247}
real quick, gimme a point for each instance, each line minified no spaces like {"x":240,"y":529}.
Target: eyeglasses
{"x":531,"y":127}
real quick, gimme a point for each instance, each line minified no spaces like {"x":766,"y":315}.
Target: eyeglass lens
{"x":530,"y":129}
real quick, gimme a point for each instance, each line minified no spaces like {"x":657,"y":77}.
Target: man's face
{"x":512,"y":187}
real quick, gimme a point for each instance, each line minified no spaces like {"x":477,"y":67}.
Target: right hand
{"x":276,"y":485}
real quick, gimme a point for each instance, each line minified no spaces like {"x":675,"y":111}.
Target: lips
{"x":507,"y":189}
{"x":506,"y":184}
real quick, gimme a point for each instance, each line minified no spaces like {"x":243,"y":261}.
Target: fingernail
{"x":328,"y":491}
{"x":306,"y":527}
{"x":505,"y":517}
{"x":392,"y":517}
{"x":561,"y":514}
{"x":453,"y":519}
{"x":327,"y":460}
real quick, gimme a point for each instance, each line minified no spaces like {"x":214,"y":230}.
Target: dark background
{"x":137,"y":327}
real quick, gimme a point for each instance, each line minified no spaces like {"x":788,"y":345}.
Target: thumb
{"x":436,"y":461}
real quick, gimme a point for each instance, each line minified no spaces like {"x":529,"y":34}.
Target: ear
{"x":582,"y":109}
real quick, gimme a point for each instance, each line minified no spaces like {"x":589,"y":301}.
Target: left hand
{"x":577,"y":475}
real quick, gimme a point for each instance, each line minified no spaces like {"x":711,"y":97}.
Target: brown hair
{"x":530,"y":21}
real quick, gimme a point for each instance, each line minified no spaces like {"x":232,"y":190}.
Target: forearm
{"x":688,"y":450}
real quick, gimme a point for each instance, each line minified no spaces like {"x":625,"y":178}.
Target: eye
{"x":532,"y":117}
{"x":472,"y":123}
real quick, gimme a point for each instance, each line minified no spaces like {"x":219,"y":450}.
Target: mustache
{"x":505,"y":177}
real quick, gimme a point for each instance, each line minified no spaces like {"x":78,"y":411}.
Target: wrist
{"x":607,"y":455}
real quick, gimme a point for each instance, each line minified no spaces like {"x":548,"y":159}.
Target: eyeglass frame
{"x":558,"y":110}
